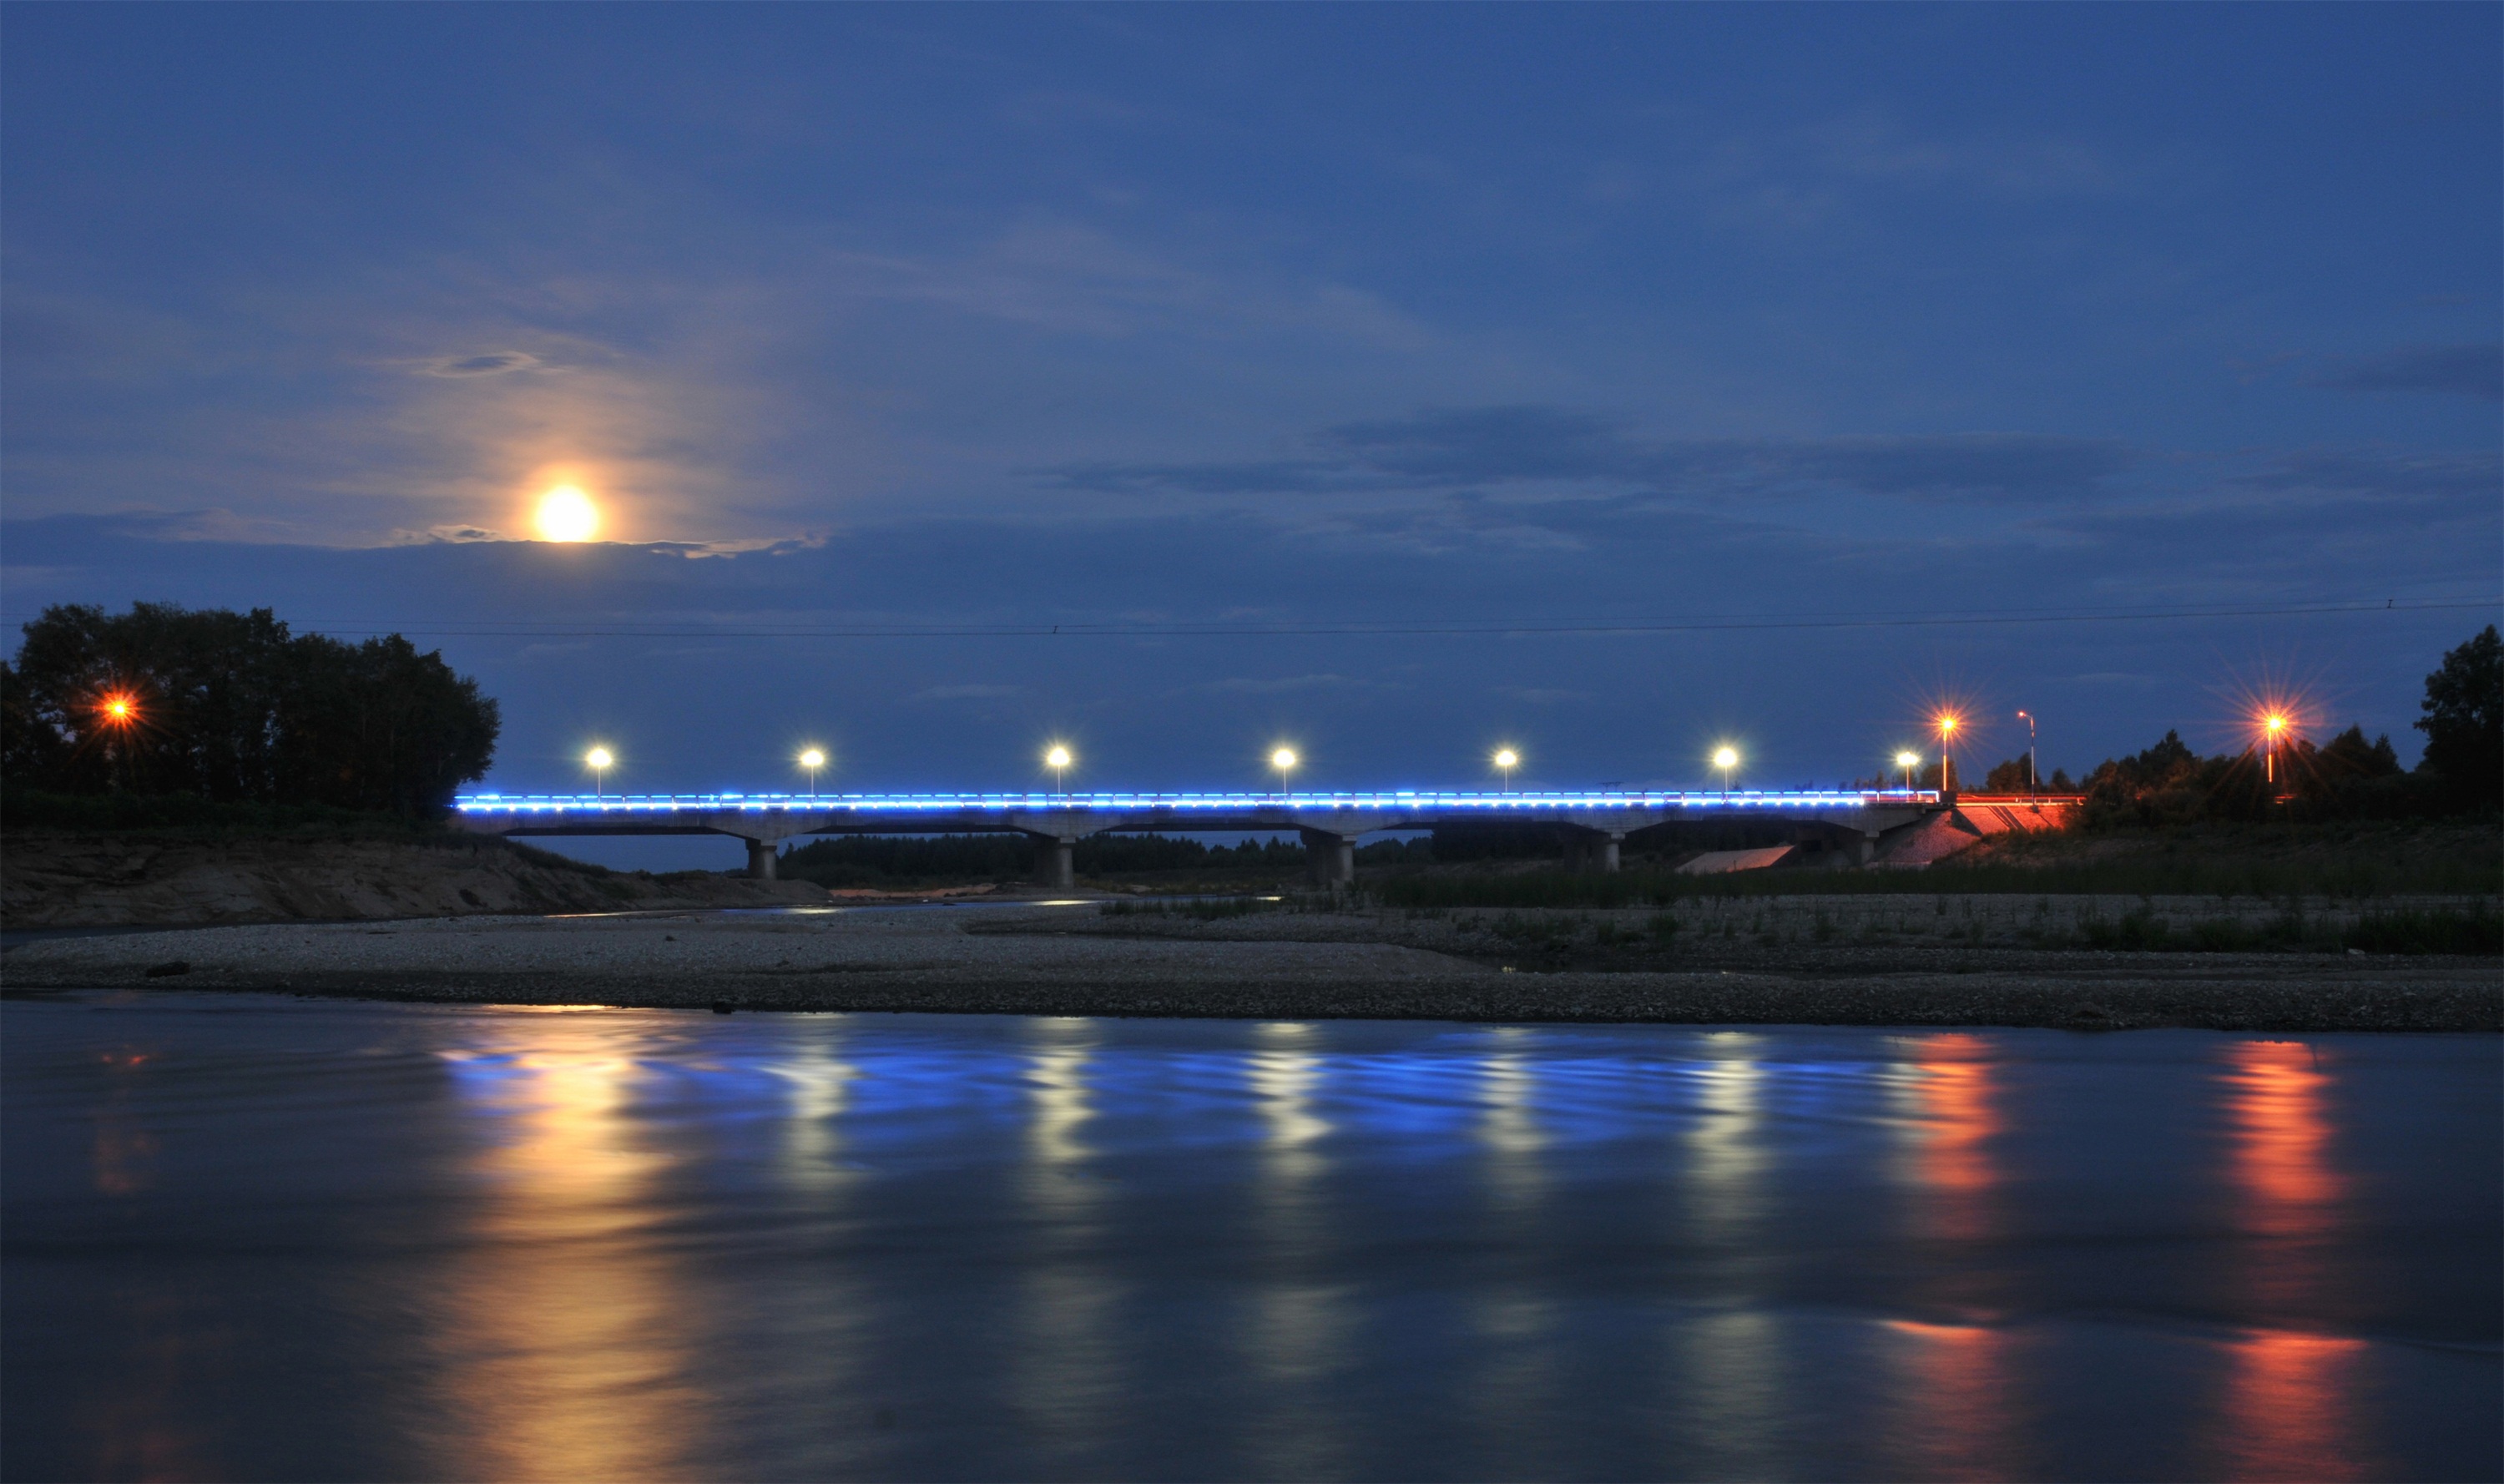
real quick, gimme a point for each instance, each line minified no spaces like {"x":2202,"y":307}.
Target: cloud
{"x":1480,"y":448}
{"x":2461,"y":370}
{"x":2381,"y":475}
{"x":490,"y":363}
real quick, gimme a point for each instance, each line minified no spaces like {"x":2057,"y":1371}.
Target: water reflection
{"x":1730,"y":1362}
{"x":1297,"y":1334}
{"x":1956,"y":1107}
{"x":1957,"y":1414}
{"x":818,"y":1081}
{"x":1727,"y":1158}
{"x":1065,"y":1378}
{"x":2285,"y":1414}
{"x":567,"y":1336}
{"x":1514,"y":1318}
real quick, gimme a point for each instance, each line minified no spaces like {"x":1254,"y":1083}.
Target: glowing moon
{"x":566,"y":514}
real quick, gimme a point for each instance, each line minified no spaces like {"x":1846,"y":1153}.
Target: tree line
{"x":2462,"y":771}
{"x":233,"y":708}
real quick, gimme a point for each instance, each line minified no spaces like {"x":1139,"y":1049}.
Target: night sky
{"x":858,"y":322}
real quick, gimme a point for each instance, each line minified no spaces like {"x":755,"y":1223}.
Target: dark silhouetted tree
{"x":230,"y":708}
{"x":2464,"y":722}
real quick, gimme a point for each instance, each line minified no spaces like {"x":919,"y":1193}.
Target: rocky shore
{"x":1070,"y":959}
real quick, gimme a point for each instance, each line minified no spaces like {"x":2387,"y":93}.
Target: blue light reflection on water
{"x":252,"y":1236}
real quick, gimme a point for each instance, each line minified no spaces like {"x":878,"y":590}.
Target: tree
{"x":2464,"y":722}
{"x":231,"y":707}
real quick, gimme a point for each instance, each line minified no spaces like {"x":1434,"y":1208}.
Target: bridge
{"x":1844,"y":825}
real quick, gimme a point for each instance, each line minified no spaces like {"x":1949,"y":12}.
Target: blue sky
{"x":866,"y":318}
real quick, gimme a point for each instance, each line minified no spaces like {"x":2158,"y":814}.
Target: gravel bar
{"x":1060,"y":960}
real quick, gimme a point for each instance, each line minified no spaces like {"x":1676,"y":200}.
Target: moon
{"x":566,"y":514}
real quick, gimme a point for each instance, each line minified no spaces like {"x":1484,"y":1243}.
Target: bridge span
{"x":1846,"y":821}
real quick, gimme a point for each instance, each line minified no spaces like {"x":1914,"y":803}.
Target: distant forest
{"x":231,"y":710}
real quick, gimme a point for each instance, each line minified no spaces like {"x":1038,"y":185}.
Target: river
{"x":258,"y":1237}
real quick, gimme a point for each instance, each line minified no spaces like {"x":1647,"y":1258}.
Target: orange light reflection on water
{"x":1961,"y":1416}
{"x":1958,"y":1099}
{"x":567,"y":1326}
{"x":2285,"y":1413}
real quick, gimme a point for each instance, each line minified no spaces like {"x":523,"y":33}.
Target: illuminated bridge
{"x":1847,"y":823}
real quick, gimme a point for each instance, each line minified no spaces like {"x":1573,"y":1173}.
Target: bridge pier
{"x":1334,"y":857}
{"x":760,"y":859}
{"x":1594,"y":850}
{"x":1056,"y":861}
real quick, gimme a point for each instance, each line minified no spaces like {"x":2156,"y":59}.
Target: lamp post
{"x":1725,"y":758}
{"x":1284,"y":760}
{"x":813,"y":759}
{"x":1908,"y":760}
{"x":2273,"y":726}
{"x":1057,"y":760}
{"x":598,"y":760}
{"x":1507,"y":760}
{"x":1947,"y":737}
{"x":2032,"y":784}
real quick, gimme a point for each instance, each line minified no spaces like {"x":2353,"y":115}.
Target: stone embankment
{"x":136,"y":880}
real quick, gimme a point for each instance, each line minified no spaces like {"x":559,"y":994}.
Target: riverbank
{"x":1074,"y":960}
{"x":172,"y":879}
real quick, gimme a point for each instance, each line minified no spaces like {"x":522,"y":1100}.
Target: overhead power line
{"x":1389,"y":628}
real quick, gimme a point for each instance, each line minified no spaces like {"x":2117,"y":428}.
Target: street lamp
{"x":1725,"y":758}
{"x":1058,"y":760}
{"x":2032,"y":785}
{"x":2273,"y":726}
{"x":598,"y":760}
{"x":1948,"y":724}
{"x":813,"y":759}
{"x":1908,"y":760}
{"x":1284,"y":760}
{"x":1508,"y":760}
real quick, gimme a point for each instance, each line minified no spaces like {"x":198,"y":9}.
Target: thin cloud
{"x":2456,"y":370}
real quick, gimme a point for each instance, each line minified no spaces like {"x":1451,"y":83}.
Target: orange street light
{"x":1948,"y":723}
{"x":119,"y":709}
{"x":2274,"y":727}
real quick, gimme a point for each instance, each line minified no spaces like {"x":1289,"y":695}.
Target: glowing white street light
{"x":813,"y":759}
{"x":1059,"y":761}
{"x":598,"y":760}
{"x":1508,"y":760}
{"x":1284,"y":760}
{"x":1908,"y":760}
{"x":1725,"y":758}
{"x":2032,"y":786}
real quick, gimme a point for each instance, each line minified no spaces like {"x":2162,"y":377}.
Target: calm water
{"x":255,"y":1237}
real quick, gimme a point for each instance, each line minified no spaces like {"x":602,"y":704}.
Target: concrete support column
{"x":1059,"y":859}
{"x":1334,"y":857}
{"x":1594,"y":850}
{"x":760,"y":859}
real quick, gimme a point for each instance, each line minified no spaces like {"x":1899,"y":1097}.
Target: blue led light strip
{"x":1398,"y":799}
